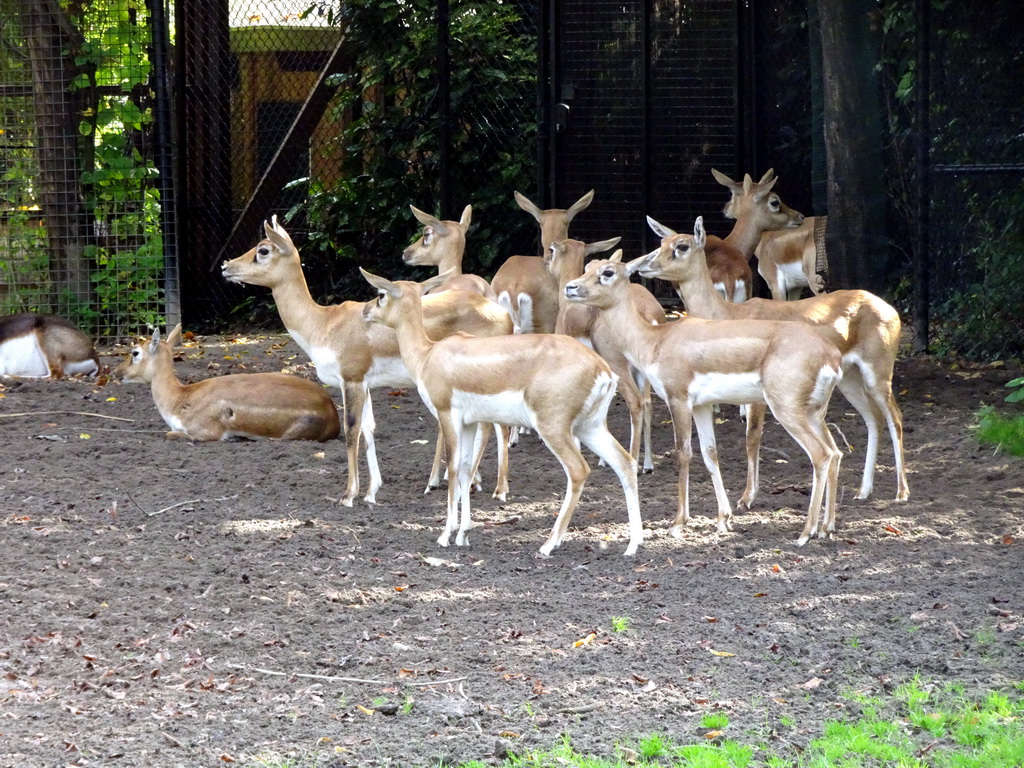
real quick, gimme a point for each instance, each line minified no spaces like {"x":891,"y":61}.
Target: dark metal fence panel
{"x":646,"y":104}
{"x":976,"y":233}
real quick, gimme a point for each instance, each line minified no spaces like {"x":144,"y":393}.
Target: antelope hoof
{"x":631,"y":549}
{"x":500,"y":495}
{"x":903,"y":495}
{"x":744,"y":505}
{"x":443,"y":539}
{"x":646,"y":470}
{"x":370,"y":498}
{"x":676,"y":531}
{"x":347,"y":501}
{"x":801,"y":541}
{"x":461,"y":539}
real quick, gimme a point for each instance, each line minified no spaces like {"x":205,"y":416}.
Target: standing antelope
{"x":243,"y":405}
{"x":694,"y":364}
{"x":348,"y":353}
{"x":787,"y":259}
{"x":44,"y":346}
{"x":523,"y":285}
{"x":442,"y":244}
{"x":551,"y":384}
{"x":564,"y":260}
{"x":756,"y":210}
{"x":865,"y":329}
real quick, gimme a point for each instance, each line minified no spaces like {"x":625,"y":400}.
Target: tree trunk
{"x":49,"y":36}
{"x":853,"y":143}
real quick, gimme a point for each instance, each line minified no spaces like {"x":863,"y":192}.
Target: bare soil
{"x":168,"y":603}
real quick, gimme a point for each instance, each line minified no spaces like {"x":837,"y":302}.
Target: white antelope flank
{"x":551,"y":384}
{"x":694,"y":364}
{"x":864,"y":328}
{"x":44,"y":346}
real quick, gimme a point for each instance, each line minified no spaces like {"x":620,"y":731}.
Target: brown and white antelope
{"x":442,"y":244}
{"x":787,"y":259}
{"x":694,"y":364}
{"x":564,"y":260}
{"x":44,"y":346}
{"x":549,"y":383}
{"x":522,"y":283}
{"x":351,"y":354}
{"x":756,"y":210}
{"x":864,"y":328}
{"x":243,"y":405}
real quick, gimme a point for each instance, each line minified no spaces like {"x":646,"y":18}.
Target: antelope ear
{"x":174,"y":337}
{"x":154,"y":342}
{"x":748,"y":183}
{"x":437,"y":280}
{"x":579,"y":205}
{"x":467,"y":216}
{"x":427,"y":220}
{"x":602,"y":245}
{"x":725,"y":181}
{"x":767,"y":176}
{"x":380,"y":283}
{"x":527,"y":206}
{"x":616,"y":257}
{"x":763,"y":188}
{"x":699,"y":235}
{"x":278,"y":235}
{"x":659,"y":229}
{"x":632,"y":267}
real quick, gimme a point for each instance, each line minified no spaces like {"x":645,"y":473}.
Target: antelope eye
{"x":135,"y":353}
{"x":263,"y":251}
{"x":428,"y":235}
{"x":773,"y":203}
{"x":608,"y":274}
{"x":682,"y":250}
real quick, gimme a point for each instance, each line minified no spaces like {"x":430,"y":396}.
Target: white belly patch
{"x":23,"y":357}
{"x":501,"y":408}
{"x":736,"y":388}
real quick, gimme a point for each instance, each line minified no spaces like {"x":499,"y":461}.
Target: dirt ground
{"x":176,"y":604}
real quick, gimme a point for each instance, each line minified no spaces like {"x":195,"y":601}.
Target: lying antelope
{"x":864,"y":328}
{"x":352,"y":355}
{"x":442,"y":244}
{"x":551,"y":384}
{"x":756,"y":210}
{"x":694,"y":364}
{"x":522,"y":283}
{"x":44,"y":346}
{"x":241,"y":405}
{"x":564,"y":260}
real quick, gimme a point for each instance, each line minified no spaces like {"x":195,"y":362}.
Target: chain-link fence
{"x":80,"y":230}
{"x":337,"y":117}
{"x":341,"y":116}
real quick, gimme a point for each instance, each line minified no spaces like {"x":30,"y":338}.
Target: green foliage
{"x":390,"y":136}
{"x":123,"y":243}
{"x":620,"y":623}
{"x":1006,"y":432}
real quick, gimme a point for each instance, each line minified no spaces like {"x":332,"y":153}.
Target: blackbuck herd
{"x":544,"y":347}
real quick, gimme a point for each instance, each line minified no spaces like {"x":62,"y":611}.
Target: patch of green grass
{"x":620,"y":623}
{"x":1005,"y":432}
{"x":920,"y":725}
{"x":716,"y":720}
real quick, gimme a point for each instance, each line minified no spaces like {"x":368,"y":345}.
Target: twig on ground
{"x":330,"y":678}
{"x":65,"y":413}
{"x":190,"y":501}
{"x":580,"y":710}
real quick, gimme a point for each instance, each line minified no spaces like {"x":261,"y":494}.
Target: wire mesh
{"x":80,"y":212}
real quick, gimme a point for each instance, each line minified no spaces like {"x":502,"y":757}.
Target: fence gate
{"x":644,"y":99}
